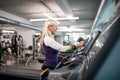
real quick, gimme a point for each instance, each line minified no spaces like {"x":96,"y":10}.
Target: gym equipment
{"x":105,"y":65}
{"x":29,"y":55}
{"x":32,"y":54}
{"x":107,"y":55}
{"x":5,"y":52}
{"x":17,"y":46}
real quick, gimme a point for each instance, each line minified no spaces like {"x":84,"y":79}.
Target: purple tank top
{"x":51,"y":56}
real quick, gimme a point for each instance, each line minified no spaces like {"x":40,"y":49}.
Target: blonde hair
{"x":48,"y":23}
{"x":46,"y":31}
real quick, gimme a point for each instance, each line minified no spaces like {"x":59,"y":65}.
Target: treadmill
{"x":105,"y":64}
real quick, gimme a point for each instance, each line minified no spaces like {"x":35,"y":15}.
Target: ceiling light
{"x":51,"y":18}
{"x":75,"y":34}
{"x":5,"y":31}
{"x":69,"y":30}
{"x":2,"y":19}
{"x":68,"y":18}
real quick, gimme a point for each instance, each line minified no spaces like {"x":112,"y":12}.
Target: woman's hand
{"x":81,"y":44}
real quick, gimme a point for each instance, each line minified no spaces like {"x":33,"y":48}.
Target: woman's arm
{"x":57,"y":46}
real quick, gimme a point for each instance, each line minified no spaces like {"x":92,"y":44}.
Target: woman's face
{"x":52,"y":29}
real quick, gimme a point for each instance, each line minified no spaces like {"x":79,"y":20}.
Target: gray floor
{"x":31,"y":70}
{"x":31,"y":65}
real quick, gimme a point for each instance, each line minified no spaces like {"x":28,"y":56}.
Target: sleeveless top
{"x":51,"y":56}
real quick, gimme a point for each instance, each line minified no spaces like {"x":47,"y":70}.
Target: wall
{"x":26,"y":34}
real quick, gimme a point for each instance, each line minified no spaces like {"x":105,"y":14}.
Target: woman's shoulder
{"x":47,"y":37}
{"x":48,"y":40}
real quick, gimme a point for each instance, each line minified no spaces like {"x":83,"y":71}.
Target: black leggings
{"x":45,"y":71}
{"x":44,"y":67}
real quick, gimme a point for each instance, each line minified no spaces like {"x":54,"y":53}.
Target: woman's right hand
{"x":81,"y":44}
